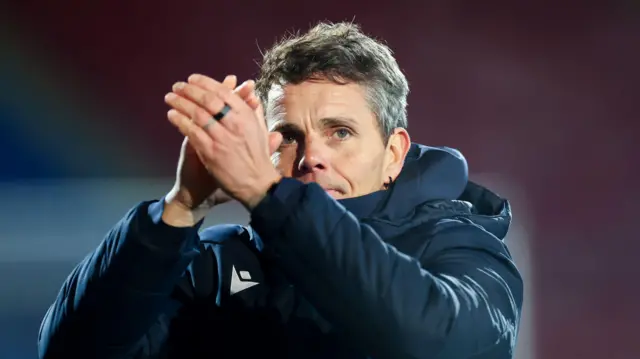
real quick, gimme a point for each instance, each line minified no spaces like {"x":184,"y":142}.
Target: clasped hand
{"x":235,"y":150}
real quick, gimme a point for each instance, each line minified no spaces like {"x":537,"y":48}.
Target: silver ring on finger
{"x":218,"y":116}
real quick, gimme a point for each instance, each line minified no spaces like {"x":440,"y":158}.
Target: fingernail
{"x":194,"y":78}
{"x":178,"y":86}
{"x":170,"y":96}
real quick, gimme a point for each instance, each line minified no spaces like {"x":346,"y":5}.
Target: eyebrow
{"x":282,"y":126}
{"x":339,"y":121}
{"x":324,"y":123}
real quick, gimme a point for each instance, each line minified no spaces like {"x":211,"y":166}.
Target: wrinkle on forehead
{"x":313,"y":100}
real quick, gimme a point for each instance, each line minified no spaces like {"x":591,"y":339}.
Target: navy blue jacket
{"x":417,"y":271}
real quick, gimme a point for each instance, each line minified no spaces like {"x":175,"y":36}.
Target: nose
{"x":312,"y":157}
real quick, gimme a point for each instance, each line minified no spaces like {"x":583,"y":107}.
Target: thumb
{"x":275,"y":139}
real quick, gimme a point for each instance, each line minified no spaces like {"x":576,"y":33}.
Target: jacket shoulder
{"x":451,"y":233}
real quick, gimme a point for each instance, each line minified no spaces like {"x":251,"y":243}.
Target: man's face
{"x":331,"y":137}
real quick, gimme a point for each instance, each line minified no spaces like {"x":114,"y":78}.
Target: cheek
{"x":284,"y":161}
{"x":360,"y":169}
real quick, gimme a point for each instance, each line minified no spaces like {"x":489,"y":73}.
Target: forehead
{"x":316,"y":100}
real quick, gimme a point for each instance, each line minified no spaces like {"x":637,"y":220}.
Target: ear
{"x":397,"y":148}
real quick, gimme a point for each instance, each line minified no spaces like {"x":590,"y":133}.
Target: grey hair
{"x":340,"y":53}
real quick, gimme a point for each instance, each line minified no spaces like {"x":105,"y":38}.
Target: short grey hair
{"x":340,"y":53}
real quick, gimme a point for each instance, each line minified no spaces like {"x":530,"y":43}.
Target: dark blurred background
{"x":541,"y":97}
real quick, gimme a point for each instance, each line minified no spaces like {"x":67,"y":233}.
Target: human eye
{"x":289,"y":137}
{"x":341,"y":133}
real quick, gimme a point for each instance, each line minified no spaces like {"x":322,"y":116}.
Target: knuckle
{"x":201,"y":116}
{"x":233,"y":124}
{"x":224,"y":93}
{"x":188,"y":130}
{"x":215,"y":148}
{"x":209,"y":100}
{"x":234,"y":128}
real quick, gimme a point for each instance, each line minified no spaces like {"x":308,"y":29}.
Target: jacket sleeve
{"x":463,"y":300}
{"x":120,"y":292}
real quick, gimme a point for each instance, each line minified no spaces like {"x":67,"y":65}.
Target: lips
{"x":333,"y":192}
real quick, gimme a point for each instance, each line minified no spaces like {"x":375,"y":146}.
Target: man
{"x":361,"y":244}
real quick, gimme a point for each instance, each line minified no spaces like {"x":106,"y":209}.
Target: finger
{"x":245,"y":90}
{"x":181,"y":104}
{"x":202,"y":106}
{"x":205,"y":82}
{"x":230,"y":81}
{"x":188,"y":108}
{"x":201,"y":119}
{"x":224,"y":94}
{"x":253,"y":101}
{"x":208,"y":100}
{"x":198,"y":138}
{"x":275,"y":139}
{"x":259,"y":111}
{"x":180,"y":121}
